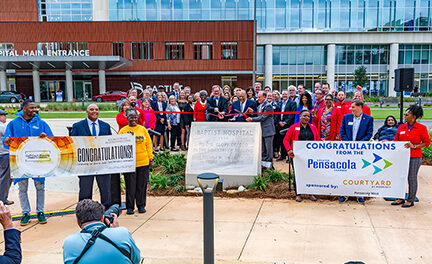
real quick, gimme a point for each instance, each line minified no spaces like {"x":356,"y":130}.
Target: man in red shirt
{"x":341,"y":104}
{"x":318,"y":107}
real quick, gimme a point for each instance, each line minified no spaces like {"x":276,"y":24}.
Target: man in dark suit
{"x":267,"y":129}
{"x":176,"y":90}
{"x":92,"y":126}
{"x":12,"y":252}
{"x":241,"y":106}
{"x":217,"y":105}
{"x":356,"y":127}
{"x":284,"y":121}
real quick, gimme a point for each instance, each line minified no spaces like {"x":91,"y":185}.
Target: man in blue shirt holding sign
{"x":356,"y":127}
{"x":29,"y":124}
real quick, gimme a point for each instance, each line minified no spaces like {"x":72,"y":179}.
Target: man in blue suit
{"x":241,"y":106}
{"x":176,"y":90}
{"x":12,"y":252}
{"x":356,"y":127}
{"x":92,"y":126}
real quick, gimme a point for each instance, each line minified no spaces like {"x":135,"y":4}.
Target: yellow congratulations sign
{"x":71,"y":156}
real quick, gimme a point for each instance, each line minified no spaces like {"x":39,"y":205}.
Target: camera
{"x":114,"y":209}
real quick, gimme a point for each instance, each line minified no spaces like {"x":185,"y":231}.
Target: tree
{"x":360,"y":77}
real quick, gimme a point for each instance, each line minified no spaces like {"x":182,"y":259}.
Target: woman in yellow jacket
{"x":136,"y":182}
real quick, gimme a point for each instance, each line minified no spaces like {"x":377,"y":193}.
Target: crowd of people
{"x":293,"y":114}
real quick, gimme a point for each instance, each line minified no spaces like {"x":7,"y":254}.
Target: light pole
{"x":207,"y":183}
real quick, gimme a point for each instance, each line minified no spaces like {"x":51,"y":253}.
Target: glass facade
{"x":294,"y":65}
{"x":286,"y":15}
{"x":418,"y":57}
{"x":374,"y":57}
{"x":65,"y":10}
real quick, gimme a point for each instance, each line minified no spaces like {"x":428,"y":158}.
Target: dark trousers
{"x":175,"y":131}
{"x":5,"y":179}
{"x":276,"y":140}
{"x":267,"y":149}
{"x":115,"y":189}
{"x":284,"y":152}
{"x":136,"y":187}
{"x":103,"y":182}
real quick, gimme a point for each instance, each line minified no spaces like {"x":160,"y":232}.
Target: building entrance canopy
{"x":63,"y":62}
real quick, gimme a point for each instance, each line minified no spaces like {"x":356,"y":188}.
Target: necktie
{"x":283,"y":108}
{"x":94,"y":129}
{"x":217,"y":101}
{"x":242,"y":107}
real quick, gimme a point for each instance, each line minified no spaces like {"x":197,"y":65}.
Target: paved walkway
{"x":257,"y":230}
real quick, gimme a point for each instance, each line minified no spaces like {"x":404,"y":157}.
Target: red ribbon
{"x":247,"y":113}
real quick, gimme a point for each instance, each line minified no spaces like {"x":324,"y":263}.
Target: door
{"x":78,"y":90}
{"x":88,"y":90}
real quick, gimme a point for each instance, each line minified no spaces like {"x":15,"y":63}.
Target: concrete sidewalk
{"x":257,"y":230}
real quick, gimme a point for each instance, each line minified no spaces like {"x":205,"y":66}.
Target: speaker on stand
{"x":404,"y":81}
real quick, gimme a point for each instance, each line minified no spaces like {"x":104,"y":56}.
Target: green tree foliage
{"x":360,"y":77}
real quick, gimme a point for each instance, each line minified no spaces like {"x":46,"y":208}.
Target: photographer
{"x":111,"y":244}
{"x":11,"y":237}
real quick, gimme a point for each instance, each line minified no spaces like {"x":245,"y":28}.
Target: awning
{"x":63,"y":62}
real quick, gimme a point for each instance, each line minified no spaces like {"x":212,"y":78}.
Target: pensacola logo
{"x":374,"y":164}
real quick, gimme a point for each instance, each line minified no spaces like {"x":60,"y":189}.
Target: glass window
{"x":358,"y":57}
{"x":375,"y":54}
{"x":307,"y":15}
{"x":6,"y":46}
{"x":401,"y":57}
{"x":229,"y":50}
{"x":383,"y":55}
{"x":300,"y":57}
{"x":408,"y":57}
{"x":142,"y":51}
{"x":366,"y":56}
{"x":416,"y":57}
{"x":260,"y":55}
{"x":174,"y":51}
{"x":284,"y":55}
{"x":276,"y":55}
{"x":203,"y":50}
{"x":294,"y":18}
{"x":118,"y":49}
{"x":309,"y":56}
{"x":292,"y":51}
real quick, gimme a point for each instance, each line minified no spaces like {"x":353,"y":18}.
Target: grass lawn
{"x":382,"y":113}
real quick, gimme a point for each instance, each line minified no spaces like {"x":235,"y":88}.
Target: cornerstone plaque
{"x":231,"y":150}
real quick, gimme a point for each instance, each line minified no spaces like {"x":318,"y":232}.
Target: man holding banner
{"x":29,"y":124}
{"x":92,"y":126}
{"x":356,"y":127}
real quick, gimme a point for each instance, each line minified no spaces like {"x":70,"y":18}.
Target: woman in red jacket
{"x":147,"y":115}
{"x":418,"y":137}
{"x":201,"y":107}
{"x":300,"y":131}
{"x":121,"y":117}
{"x":329,"y":120}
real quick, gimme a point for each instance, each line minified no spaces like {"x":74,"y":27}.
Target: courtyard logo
{"x":374,"y":164}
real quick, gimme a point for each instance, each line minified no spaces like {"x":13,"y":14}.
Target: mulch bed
{"x":278,"y":190}
{"x":427,"y":162}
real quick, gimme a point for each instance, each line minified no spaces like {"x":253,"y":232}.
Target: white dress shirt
{"x":90,"y":125}
{"x":356,"y":125}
